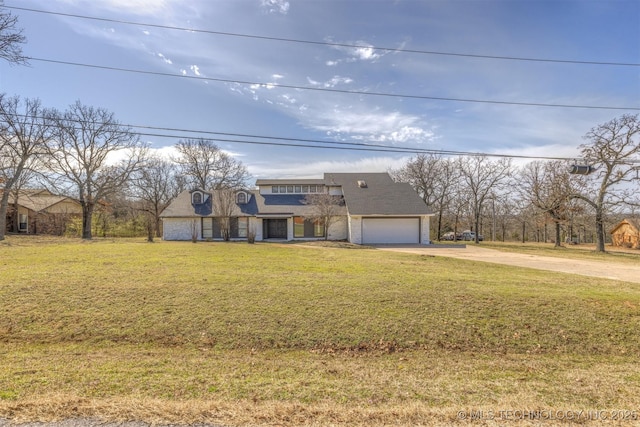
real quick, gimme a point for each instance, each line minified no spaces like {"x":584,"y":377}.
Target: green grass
{"x":288,"y":328}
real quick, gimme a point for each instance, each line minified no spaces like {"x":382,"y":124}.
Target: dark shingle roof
{"x":271,"y":204}
{"x":181,"y":207}
{"x":267,"y":204}
{"x":381,"y":195}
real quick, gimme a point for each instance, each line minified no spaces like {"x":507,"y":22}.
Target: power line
{"x":365,"y":147}
{"x":303,"y":142}
{"x":331,"y":44}
{"x":333,"y":90}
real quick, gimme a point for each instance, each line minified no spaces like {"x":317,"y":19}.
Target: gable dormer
{"x":242,"y":197}
{"x":199,"y":197}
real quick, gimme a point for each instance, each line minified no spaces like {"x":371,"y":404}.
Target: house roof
{"x":181,"y":206}
{"x":366,"y":194}
{"x":371,"y":194}
{"x":634,"y":222}
{"x":259,"y":204}
{"x":39,"y":200}
{"x":292,"y":204}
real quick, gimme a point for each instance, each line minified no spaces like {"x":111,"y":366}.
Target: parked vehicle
{"x":469,"y":236}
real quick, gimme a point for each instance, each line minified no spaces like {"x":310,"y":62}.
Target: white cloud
{"x":137,"y":7}
{"x":331,"y":83}
{"x":165,"y":59}
{"x":276,"y":6}
{"x":356,"y":51}
{"x":195,"y":69}
{"x":374,"y":126}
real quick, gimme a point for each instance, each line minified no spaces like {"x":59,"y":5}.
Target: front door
{"x":275,"y":229}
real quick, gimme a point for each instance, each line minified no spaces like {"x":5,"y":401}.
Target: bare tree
{"x":481,"y":177}
{"x":155,"y":186}
{"x":94,"y":154}
{"x":24,"y":135}
{"x":612,"y":152}
{"x":208,"y":166}
{"x":548,"y":187}
{"x":326,"y":208}
{"x":11,"y":38}
{"x":224,"y":204}
{"x":433,"y":178}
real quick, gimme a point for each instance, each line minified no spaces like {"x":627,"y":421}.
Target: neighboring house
{"x":40,"y":212}
{"x":376,"y":210}
{"x":627,"y":233}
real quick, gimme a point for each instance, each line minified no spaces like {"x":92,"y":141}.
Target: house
{"x":374,"y":210}
{"x":627,"y":233}
{"x":40,"y":212}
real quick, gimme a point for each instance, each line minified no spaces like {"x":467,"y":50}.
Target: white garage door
{"x":390,"y":230}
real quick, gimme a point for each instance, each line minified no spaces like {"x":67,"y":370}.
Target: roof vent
{"x":362,"y":184}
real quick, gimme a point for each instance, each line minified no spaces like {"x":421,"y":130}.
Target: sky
{"x":390,"y":76}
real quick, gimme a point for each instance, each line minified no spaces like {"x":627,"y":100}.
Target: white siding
{"x":179,"y":228}
{"x":355,"y":229}
{"x":425,"y":228}
{"x":338,"y":229}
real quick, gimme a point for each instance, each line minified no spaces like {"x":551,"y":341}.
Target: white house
{"x":376,"y":210}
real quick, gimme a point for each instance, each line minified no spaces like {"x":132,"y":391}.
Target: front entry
{"x":275,"y":229}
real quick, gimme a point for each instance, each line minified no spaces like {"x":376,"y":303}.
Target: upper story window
{"x":241,"y":198}
{"x":196,"y":198}
{"x":297,"y":189}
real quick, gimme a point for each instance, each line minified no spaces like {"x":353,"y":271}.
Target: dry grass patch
{"x":289,"y":335}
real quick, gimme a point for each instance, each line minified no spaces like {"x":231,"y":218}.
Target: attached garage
{"x":391,"y":230}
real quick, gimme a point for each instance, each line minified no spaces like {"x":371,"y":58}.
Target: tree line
{"x":512,"y":202}
{"x":84,"y":152}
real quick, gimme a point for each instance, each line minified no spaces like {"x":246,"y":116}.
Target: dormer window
{"x":196,"y":198}
{"x":241,"y":198}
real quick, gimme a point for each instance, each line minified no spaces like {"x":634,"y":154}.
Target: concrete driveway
{"x":591,"y":268}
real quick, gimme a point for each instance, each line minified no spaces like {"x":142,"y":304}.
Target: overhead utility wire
{"x":298,"y":142}
{"x":332,"y":44}
{"x":323,"y":89}
{"x":365,"y":147}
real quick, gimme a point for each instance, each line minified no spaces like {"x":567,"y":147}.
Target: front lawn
{"x":288,"y":334}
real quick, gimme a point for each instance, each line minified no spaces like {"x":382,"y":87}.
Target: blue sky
{"x":582,"y":30}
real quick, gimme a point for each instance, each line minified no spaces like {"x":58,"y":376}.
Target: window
{"x":207,"y":228}
{"x":298,"y":226}
{"x":289,"y":188}
{"x":196,"y":198}
{"x":305,"y":188}
{"x":274,"y":189}
{"x":243,"y":225}
{"x":298,"y":189}
{"x":313,"y":188}
{"x":303,"y":227}
{"x":242,"y":198}
{"x":22,"y":225}
{"x":283,"y":188}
